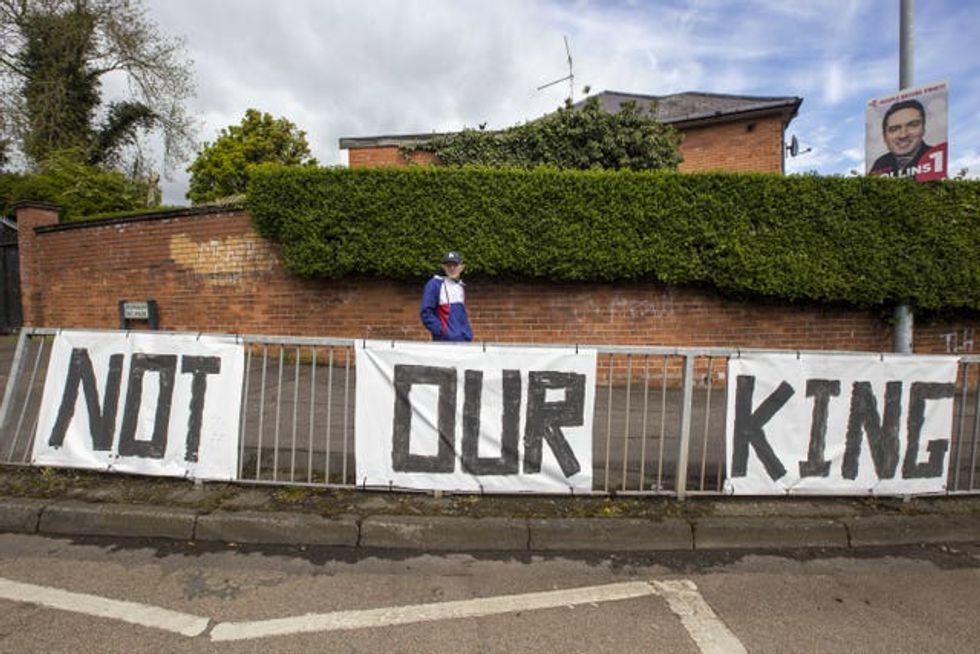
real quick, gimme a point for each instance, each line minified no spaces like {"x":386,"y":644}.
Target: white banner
{"x":142,"y":402}
{"x":441,"y":416}
{"x":839,"y":424}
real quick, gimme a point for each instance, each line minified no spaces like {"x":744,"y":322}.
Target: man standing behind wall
{"x":443,"y":310}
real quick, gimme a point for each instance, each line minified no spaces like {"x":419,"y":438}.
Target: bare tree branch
{"x":122,"y":39}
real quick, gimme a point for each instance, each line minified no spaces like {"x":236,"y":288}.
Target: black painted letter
{"x":545,"y":419}
{"x":920,"y":392}
{"x":882,"y":432}
{"x":748,"y":427}
{"x":506,"y":463}
{"x":402,"y":460}
{"x":166,"y":366}
{"x":101,"y":420}
{"x":200,"y":367}
{"x":822,"y":390}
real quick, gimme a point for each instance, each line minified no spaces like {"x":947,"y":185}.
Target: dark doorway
{"x":11,"y":317}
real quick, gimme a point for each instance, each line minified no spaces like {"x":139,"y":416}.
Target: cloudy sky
{"x":342,"y":68}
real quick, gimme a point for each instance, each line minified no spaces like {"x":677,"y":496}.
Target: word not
{"x":544,"y":421}
{"x":102,"y":416}
{"x":864,"y":418}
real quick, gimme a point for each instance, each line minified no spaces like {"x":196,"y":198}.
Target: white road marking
{"x":705,"y":627}
{"x":132,"y":612}
{"x":397,"y":615}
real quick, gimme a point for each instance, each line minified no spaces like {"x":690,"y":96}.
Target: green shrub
{"x":80,"y":189}
{"x":860,"y":241}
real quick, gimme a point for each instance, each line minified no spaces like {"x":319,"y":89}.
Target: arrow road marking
{"x":132,"y":612}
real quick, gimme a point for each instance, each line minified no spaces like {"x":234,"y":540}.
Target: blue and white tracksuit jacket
{"x":443,"y":310}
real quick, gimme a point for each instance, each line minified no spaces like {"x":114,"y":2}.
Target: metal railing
{"x":658,"y":429}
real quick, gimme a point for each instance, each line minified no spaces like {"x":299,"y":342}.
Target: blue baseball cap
{"x":452,"y":257}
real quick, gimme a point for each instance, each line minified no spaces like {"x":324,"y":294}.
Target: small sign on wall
{"x":141,"y":310}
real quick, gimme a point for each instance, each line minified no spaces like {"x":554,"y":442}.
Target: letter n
{"x":882,"y":431}
{"x":101,"y":420}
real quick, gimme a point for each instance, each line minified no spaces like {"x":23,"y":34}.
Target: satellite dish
{"x":794,"y":147}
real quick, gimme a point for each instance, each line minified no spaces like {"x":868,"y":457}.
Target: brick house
{"x":735,"y":133}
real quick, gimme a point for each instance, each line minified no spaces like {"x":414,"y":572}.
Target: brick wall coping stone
{"x":187,"y":212}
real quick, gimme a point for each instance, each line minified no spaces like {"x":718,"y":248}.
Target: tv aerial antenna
{"x":570,"y":77}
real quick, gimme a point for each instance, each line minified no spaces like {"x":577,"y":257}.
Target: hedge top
{"x":855,"y":240}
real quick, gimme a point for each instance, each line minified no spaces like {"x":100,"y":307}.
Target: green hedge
{"x":859,"y":241}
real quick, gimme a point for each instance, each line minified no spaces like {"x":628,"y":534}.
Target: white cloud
{"x":339,"y":68}
{"x":970,"y":161}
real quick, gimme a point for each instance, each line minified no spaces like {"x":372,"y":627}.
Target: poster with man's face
{"x":906,"y":133}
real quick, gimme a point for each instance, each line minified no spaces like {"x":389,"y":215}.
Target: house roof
{"x":682,"y":110}
{"x":690,"y":108}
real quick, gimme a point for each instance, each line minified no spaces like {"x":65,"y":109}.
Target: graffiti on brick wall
{"x":958,"y":341}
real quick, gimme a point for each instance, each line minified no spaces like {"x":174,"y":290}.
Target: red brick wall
{"x":29,"y":216}
{"x":384,"y":156}
{"x":745,"y":146}
{"x":211,"y":272}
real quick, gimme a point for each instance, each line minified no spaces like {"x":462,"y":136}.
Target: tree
{"x":581,"y":138}
{"x":53,"y":56}
{"x":222,"y":168}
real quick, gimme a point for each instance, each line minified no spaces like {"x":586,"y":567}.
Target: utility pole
{"x":903,"y":313}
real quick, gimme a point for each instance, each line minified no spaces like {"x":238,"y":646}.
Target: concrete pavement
{"x":69,"y":503}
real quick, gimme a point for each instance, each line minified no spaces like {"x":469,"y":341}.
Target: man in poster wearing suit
{"x":903,"y":129}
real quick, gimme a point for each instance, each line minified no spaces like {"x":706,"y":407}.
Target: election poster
{"x":839,"y":424}
{"x":142,"y":402}
{"x":494,"y":419}
{"x":906,"y":134}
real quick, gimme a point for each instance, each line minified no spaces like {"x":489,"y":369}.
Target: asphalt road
{"x":898,"y":600}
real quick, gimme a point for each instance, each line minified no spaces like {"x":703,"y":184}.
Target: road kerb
{"x":913,"y":529}
{"x":610,"y":534}
{"x":271,"y":528}
{"x":444,"y":533}
{"x":767,"y":533}
{"x":127,"y":520}
{"x":21,"y":515}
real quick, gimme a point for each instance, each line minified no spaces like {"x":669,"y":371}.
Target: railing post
{"x":687,"y":409}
